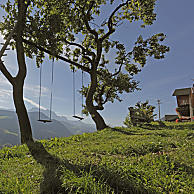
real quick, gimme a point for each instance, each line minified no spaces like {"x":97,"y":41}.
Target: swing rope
{"x":51,"y":94}
{"x":40,"y":91}
{"x":52,"y":80}
{"x":73,"y":91}
{"x":74,"y":115}
{"x":82,"y":93}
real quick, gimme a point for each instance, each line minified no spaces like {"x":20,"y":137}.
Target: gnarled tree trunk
{"x":24,"y":122}
{"x":97,"y":118}
{"x":25,"y":127}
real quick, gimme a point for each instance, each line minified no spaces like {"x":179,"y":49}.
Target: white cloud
{"x":34,"y":104}
{"x":35,"y":90}
{"x":4,"y":81}
{"x":5,"y":93}
{"x":5,"y":90}
{"x":6,"y":101}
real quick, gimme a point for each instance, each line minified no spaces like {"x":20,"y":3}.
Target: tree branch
{"x":110,"y":22}
{"x":83,"y":50}
{"x":100,"y":101}
{"x":107,"y":96}
{"x":5,"y":72}
{"x":7,"y":41}
{"x":2,"y":66}
{"x":116,"y":73}
{"x":99,"y":107}
{"x":21,"y":21}
{"x":86,"y":69}
{"x":28,"y":3}
{"x":86,"y":21}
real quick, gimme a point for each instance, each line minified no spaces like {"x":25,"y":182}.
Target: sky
{"x":158,"y":79}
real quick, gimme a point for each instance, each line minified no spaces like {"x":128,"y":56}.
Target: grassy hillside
{"x":149,"y":159}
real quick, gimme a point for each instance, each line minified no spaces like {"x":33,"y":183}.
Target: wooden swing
{"x":51,"y":95}
{"x":74,"y":115}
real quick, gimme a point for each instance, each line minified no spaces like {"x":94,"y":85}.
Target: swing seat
{"x":77,"y":117}
{"x":44,"y":121}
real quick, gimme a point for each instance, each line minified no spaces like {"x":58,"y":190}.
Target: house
{"x":185,"y":103}
{"x":170,"y":118}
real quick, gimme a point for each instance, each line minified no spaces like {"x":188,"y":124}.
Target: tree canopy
{"x":141,"y":113}
{"x":72,"y":31}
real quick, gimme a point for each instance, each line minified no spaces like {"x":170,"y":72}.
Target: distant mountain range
{"x":59,"y":127}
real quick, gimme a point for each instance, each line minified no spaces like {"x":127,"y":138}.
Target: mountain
{"x":76,"y":127}
{"x":59,"y":127}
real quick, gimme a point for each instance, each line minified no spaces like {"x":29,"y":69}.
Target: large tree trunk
{"x":97,"y":118}
{"x":18,"y":83}
{"x":24,"y":123}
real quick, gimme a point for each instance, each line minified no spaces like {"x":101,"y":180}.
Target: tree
{"x":16,"y":34}
{"x":55,"y":26}
{"x":141,"y":113}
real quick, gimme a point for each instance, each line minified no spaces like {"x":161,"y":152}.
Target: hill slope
{"x":150,"y":159}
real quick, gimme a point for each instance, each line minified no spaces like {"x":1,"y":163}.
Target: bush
{"x":142,"y":112}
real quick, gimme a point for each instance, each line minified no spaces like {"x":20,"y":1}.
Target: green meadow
{"x":151,"y":158}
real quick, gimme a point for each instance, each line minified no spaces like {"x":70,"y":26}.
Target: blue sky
{"x":158,"y":78}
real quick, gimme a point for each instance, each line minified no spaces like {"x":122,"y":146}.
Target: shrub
{"x":142,"y":112}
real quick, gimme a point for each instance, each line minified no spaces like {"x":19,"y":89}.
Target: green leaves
{"x":72,"y":29}
{"x":149,"y":47}
{"x":135,"y":10}
{"x":142,"y":112}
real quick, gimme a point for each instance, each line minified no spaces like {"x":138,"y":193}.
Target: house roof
{"x":170,"y":117}
{"x":181,"y":92}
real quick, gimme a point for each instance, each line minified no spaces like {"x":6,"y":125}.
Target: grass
{"x":147,"y":159}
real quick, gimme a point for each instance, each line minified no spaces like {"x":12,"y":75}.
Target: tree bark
{"x":24,"y":122}
{"x":97,"y":118}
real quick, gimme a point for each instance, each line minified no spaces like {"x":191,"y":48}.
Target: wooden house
{"x":170,"y":118}
{"x":185,"y":103}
